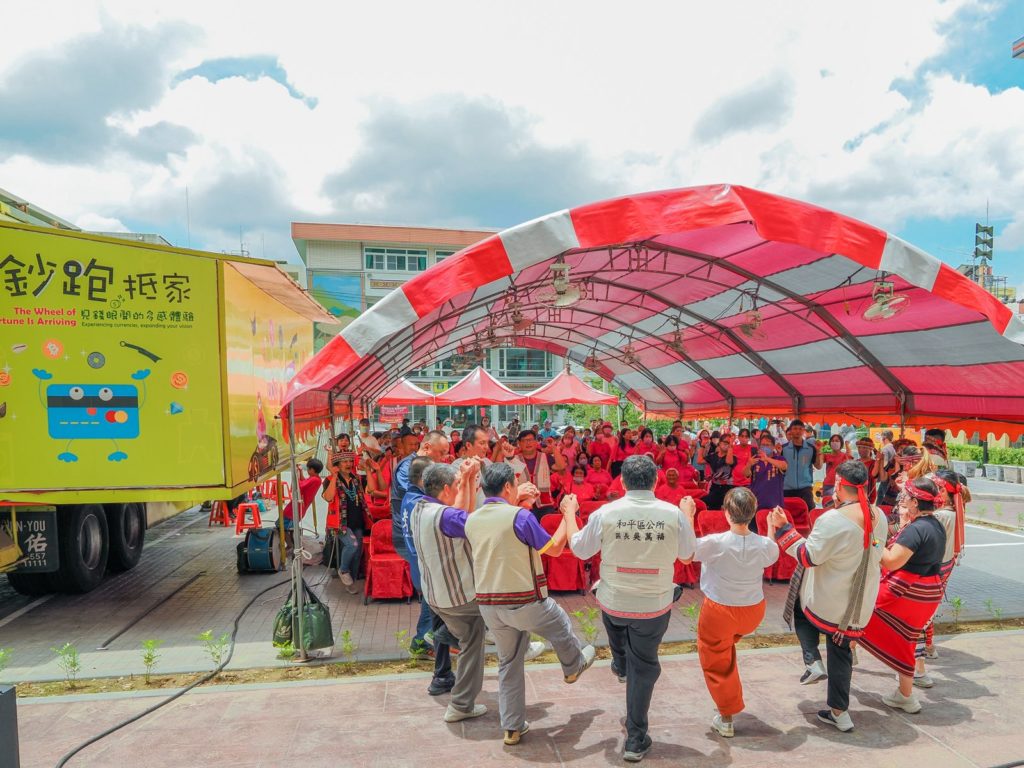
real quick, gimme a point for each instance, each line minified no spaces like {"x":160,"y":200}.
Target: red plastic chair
{"x":565,"y":573}
{"x":377,"y":509}
{"x":219,"y":514}
{"x":387,"y":574}
{"x":782,"y":568}
{"x":798,"y":512}
{"x":587,"y":508}
{"x":711,"y":521}
{"x":254,"y":521}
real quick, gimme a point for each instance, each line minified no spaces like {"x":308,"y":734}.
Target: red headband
{"x":954,"y":490}
{"x":919,"y":493}
{"x":865,"y":508}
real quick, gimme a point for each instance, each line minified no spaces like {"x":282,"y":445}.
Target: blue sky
{"x":907,"y":115}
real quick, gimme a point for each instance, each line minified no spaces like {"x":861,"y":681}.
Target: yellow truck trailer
{"x":134,"y":378}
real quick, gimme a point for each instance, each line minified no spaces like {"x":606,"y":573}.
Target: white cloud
{"x":93,"y":222}
{"x":626,"y":92}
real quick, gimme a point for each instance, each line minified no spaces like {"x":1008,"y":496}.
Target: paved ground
{"x":187,"y":583}
{"x":970,"y":718}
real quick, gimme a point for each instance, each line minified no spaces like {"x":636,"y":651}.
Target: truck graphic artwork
{"x":92,"y":412}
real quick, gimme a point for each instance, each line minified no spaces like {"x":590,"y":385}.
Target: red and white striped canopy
{"x":672,"y":280}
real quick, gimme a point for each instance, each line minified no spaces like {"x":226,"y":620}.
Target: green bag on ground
{"x":316,"y":623}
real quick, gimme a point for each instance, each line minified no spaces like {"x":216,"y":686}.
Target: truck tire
{"x":31,"y":584}
{"x":126,"y":528}
{"x":84,"y":544}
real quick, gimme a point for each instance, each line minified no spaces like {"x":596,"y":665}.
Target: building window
{"x":442,"y":255}
{"x":513,"y":363}
{"x":396,"y":259}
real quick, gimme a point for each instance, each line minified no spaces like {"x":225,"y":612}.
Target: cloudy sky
{"x":907,"y":114}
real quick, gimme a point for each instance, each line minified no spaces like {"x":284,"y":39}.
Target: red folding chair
{"x":387,"y":574}
{"x":782,"y":568}
{"x":565,"y":573}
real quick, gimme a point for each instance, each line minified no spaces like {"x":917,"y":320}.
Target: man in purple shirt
{"x":438,"y":529}
{"x":767,"y":472}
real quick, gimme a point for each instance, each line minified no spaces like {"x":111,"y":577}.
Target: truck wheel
{"x":31,"y":584}
{"x":126,"y":526}
{"x":84,"y":544}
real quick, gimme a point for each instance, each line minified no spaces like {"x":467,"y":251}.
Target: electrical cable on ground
{"x":205,"y":678}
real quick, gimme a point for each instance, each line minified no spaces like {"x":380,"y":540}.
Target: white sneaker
{"x":536,"y":649}
{"x":813,"y":673}
{"x":589,"y":654}
{"x":453,"y":715}
{"x":908,"y":704}
{"x":842,"y":721}
{"x":722,"y":728}
{"x":923,"y":680}
{"x":489,"y":638}
{"x":346,"y":579}
{"x":931,"y":653}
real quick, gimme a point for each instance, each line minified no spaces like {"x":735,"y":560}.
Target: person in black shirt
{"x":720,"y":463}
{"x":911,"y":589}
{"x":343,"y":492}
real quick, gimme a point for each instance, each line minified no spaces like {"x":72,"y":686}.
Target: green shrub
{"x":1006,"y":456}
{"x":965,"y":452}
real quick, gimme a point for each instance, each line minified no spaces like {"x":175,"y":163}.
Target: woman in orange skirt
{"x":731,"y":578}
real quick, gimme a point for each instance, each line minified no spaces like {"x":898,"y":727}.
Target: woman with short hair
{"x":731,"y":580}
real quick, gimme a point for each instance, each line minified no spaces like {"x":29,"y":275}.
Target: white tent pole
{"x":298,"y":596}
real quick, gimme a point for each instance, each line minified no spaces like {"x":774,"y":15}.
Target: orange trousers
{"x":719,"y":628}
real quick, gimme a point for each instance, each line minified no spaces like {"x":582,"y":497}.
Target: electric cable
{"x":178,"y":694}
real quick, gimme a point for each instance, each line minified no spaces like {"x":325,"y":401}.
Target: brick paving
{"x":970,"y":719}
{"x":184,"y":548}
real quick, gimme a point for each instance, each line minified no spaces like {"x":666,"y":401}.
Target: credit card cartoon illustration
{"x":92,"y":412}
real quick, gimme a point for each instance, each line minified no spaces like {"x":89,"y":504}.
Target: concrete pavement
{"x":970,"y":718}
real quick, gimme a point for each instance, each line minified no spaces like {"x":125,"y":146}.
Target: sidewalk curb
{"x":984,"y":523}
{"x":996,"y":497}
{"x":489,"y":672}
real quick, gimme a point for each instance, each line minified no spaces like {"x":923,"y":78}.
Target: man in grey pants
{"x":639,"y":538}
{"x":511,"y":590}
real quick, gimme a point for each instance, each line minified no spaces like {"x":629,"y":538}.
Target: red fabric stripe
{"x":953,"y":286}
{"x":478,"y":265}
{"x":646,"y":571}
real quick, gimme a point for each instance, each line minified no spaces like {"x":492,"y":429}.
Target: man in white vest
{"x":512,"y":593}
{"x":639,"y":538}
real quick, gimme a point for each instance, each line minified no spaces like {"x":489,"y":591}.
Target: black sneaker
{"x":620,"y":675}
{"x":441,"y":685}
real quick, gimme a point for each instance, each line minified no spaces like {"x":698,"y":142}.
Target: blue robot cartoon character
{"x":92,"y":412}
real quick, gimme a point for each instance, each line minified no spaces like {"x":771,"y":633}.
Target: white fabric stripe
{"x":956,"y":345}
{"x":729,"y":367}
{"x":1015,"y":330}
{"x":909,"y":262}
{"x":821,"y":275}
{"x":824,"y":355}
{"x":389,"y":315}
{"x":540,"y":239}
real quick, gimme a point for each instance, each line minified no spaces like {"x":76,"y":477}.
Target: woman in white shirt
{"x":731,"y":577}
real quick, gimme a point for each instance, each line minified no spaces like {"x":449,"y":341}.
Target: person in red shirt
{"x":671,"y":490}
{"x":832,"y":461}
{"x":742,"y":451}
{"x":598,"y":476}
{"x":309,"y":484}
{"x":646,"y":444}
{"x":671,"y":457}
{"x":866,"y":453}
{"x":583,"y":490}
{"x":603,"y":446}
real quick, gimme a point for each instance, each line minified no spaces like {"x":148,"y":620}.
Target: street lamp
{"x":623,"y":402}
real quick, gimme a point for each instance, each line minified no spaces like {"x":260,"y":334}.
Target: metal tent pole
{"x":299,"y":594}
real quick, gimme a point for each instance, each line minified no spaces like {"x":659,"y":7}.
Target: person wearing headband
{"x":911,"y":589}
{"x":935,"y":445}
{"x":950,"y":512}
{"x":833,"y":589}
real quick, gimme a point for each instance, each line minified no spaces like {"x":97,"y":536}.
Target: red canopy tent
{"x":708,"y":301}
{"x":479,"y":388}
{"x":567,"y":388}
{"x":404,"y":392}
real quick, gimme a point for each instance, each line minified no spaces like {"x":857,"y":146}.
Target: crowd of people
{"x":872,"y":558}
